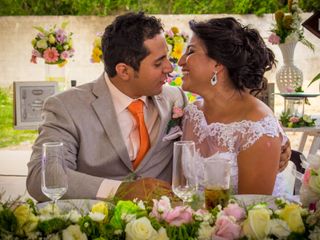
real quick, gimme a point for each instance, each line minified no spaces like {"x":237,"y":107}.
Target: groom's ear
{"x":124,"y":71}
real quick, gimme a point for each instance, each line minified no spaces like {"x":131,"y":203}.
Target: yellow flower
{"x":287,"y":21}
{"x":100,"y":207}
{"x":27,"y":221}
{"x":96,"y":51}
{"x":97,"y":42}
{"x":175,"y":30}
{"x":62,"y":63}
{"x":257,"y":225}
{"x":178,"y":81}
{"x":52,"y":39}
{"x":291,"y":214}
{"x":177,"y":50}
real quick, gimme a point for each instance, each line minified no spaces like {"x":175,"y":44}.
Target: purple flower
{"x":61,"y":36}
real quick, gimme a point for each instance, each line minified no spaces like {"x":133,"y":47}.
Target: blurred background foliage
{"x":111,"y":7}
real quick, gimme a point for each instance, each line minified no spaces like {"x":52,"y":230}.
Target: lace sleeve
{"x":252,"y":131}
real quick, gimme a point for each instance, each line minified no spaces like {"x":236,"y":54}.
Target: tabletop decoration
{"x":55,"y":46}
{"x":96,"y":54}
{"x":134,"y":220}
{"x":289,"y":120}
{"x":286,"y":32}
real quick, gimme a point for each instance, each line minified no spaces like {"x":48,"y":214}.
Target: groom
{"x":113,"y":127}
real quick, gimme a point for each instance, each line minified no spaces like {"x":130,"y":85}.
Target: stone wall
{"x":16,"y":34}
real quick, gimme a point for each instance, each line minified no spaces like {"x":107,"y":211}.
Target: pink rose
{"x":233,"y":209}
{"x":226,"y":229}
{"x":170,"y":33}
{"x":290,"y":89}
{"x":161,"y":208}
{"x":294,"y":119}
{"x":64,"y":55}
{"x":177,"y":112}
{"x":179,"y":215}
{"x":306,"y":176}
{"x":274,"y":39}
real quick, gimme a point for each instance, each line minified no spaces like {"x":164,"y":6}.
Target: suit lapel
{"x":104,"y":108}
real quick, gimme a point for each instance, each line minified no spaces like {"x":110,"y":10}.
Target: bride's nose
{"x":182,"y":60}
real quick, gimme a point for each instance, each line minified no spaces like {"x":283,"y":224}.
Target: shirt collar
{"x":120,"y":100}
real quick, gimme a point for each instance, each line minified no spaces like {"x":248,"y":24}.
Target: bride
{"x":224,"y":63}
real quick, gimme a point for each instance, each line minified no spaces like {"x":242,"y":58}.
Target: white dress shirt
{"x":129,"y":130}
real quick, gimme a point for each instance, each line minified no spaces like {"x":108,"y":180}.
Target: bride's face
{"x":197,"y":67}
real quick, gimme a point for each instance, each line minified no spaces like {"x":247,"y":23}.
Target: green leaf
{"x":40,"y":29}
{"x":314,"y":79}
{"x":64,"y":24}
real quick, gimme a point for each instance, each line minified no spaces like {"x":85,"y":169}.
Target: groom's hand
{"x":285,"y":156}
{"x":144,"y":189}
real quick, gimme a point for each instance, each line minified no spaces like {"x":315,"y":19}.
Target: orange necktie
{"x":136,"y":109}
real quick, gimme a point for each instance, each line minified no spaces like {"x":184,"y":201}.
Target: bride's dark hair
{"x":239,"y":48}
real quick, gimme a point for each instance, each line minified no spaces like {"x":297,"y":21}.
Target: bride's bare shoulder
{"x":257,"y":109}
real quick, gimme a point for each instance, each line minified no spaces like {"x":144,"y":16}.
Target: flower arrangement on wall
{"x":176,"y":42}
{"x":96,"y":54}
{"x":54,"y":45}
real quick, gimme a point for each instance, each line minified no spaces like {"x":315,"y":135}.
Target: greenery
{"x":107,"y":7}
{"x":128,"y":220}
{"x":9,"y":136}
{"x":291,"y":121}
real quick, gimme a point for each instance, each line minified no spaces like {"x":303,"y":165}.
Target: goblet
{"x":54,"y":181}
{"x":184,"y":179}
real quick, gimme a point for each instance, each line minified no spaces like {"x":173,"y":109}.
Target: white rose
{"x":50,"y":210}
{"x":73,"y":232}
{"x":279,"y":228}
{"x":141,"y":205}
{"x":257,"y":225}
{"x":205,"y":231}
{"x":140,"y":229}
{"x":74,"y":216}
{"x":54,"y":237}
{"x":97,"y":216}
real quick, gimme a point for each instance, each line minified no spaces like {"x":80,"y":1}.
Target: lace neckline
{"x":194,"y":108}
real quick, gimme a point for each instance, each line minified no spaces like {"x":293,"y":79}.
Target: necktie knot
{"x":136,"y":107}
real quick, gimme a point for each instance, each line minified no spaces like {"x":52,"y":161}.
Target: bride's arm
{"x":258,"y":166}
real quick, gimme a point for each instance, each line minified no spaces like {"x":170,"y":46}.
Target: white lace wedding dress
{"x":218,"y":140}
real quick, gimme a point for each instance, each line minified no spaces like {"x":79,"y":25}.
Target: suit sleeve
{"x":58,"y":126}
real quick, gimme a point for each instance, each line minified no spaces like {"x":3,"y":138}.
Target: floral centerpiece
{"x":310,"y":189}
{"x":133,"y":220}
{"x":96,"y":54}
{"x":53,"y":45}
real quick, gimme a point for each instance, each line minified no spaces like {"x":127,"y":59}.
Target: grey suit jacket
{"x":84,"y":119}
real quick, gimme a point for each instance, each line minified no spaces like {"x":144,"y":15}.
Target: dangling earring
{"x":214,"y":79}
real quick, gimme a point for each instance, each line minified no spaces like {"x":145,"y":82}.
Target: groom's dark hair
{"x":123,"y":39}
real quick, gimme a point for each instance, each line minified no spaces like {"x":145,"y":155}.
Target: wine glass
{"x":54,"y":182}
{"x":184,"y":179}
